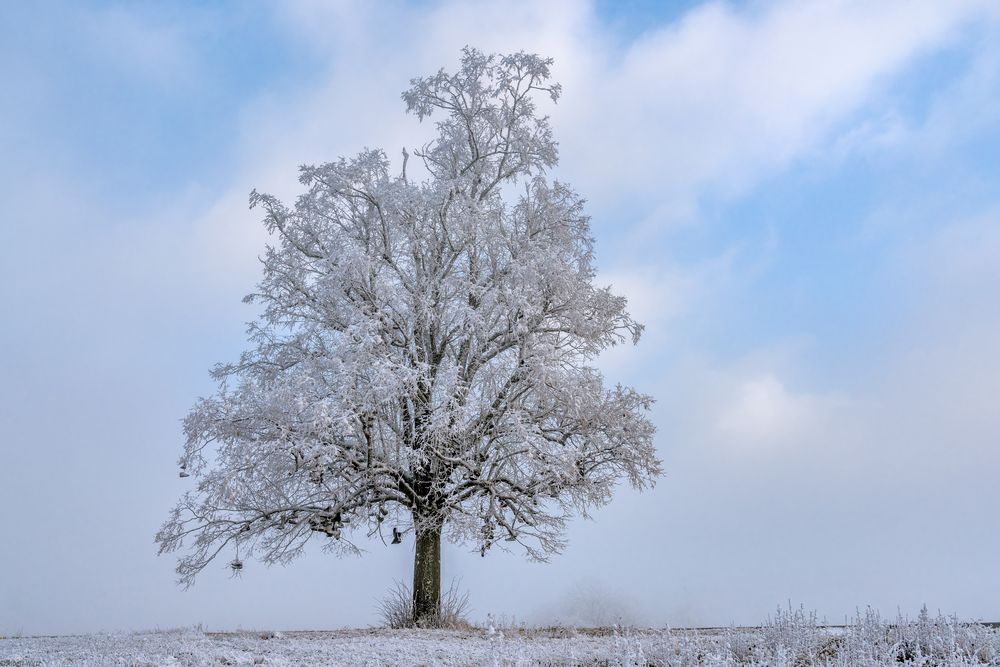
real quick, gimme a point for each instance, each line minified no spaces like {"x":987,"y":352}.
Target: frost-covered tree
{"x":422,"y":359}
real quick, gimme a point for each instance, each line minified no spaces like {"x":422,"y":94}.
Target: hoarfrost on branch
{"x":423,"y":355}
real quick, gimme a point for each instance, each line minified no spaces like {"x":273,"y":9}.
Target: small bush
{"x":396,"y":609}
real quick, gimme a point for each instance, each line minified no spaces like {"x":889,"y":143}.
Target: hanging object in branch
{"x":236,"y":565}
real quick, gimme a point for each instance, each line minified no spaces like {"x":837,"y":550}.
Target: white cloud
{"x":726,"y":96}
{"x":660,"y":293}
{"x":762,"y":411}
{"x":663,"y":297}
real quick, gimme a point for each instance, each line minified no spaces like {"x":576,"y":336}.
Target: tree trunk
{"x":427,"y":574}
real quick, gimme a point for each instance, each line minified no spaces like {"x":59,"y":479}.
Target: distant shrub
{"x":590,"y":604}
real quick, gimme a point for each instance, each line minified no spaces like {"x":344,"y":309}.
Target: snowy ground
{"x":792,"y":639}
{"x":348,"y":647}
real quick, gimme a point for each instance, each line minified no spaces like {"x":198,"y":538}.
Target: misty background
{"x":801,"y":200}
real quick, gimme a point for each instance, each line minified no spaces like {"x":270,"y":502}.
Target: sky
{"x":801,"y":201}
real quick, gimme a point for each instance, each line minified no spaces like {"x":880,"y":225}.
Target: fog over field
{"x":800,"y":200}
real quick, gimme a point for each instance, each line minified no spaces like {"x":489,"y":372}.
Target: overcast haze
{"x":800,"y":199}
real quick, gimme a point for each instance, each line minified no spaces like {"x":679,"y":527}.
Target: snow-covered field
{"x":793,"y":638}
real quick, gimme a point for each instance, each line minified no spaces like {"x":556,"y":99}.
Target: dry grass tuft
{"x":396,"y":609}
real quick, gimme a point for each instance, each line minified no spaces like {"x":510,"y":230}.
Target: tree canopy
{"x":423,"y":357}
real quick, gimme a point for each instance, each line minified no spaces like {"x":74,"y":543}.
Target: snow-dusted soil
{"x":315,"y":649}
{"x":783,"y":643}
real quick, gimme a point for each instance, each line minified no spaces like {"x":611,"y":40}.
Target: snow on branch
{"x":422,"y":356}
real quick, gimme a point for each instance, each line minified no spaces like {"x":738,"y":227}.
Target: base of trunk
{"x":427,"y":576}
